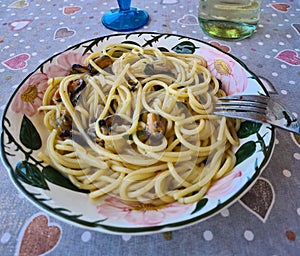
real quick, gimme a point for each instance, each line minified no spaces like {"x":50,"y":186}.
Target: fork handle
{"x":282,"y":118}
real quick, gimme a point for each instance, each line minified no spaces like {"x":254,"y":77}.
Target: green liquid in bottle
{"x":229,"y":19}
{"x":227,"y":30}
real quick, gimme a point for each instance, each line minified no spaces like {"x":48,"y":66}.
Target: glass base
{"x":128,"y":20}
{"x":227,"y":30}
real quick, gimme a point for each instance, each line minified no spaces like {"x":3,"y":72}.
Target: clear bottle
{"x":229,"y":19}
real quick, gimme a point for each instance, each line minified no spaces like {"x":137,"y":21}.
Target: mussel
{"x":155,"y":127}
{"x":103,"y":62}
{"x":75,"y":88}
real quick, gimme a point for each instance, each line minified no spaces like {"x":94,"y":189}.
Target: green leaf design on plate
{"x":92,"y":44}
{"x":163,"y":49}
{"x":30,"y":174}
{"x":245,"y":151}
{"x":248,"y":128}
{"x":264,"y":148}
{"x":185,"y":47}
{"x":29,"y":136}
{"x":154,"y":39}
{"x":76,"y":218}
{"x":57,"y":178}
{"x":200,"y":205}
{"x":130,"y":42}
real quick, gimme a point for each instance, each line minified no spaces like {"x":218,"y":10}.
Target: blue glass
{"x":125,"y":18}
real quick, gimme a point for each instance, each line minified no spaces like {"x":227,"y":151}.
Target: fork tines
{"x":248,"y":107}
{"x":257,"y":108}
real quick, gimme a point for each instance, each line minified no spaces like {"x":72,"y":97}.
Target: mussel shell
{"x":78,"y":69}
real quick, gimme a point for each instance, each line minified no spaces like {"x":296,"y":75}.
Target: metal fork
{"x":257,"y":108}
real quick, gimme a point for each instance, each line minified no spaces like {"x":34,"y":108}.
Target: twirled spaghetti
{"x":136,"y":122}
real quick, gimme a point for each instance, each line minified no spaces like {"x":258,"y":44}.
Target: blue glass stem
{"x":124,"y":5}
{"x":125,"y":18}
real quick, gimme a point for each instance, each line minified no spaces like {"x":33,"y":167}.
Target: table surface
{"x":265,"y":221}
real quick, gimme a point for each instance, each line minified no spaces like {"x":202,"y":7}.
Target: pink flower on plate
{"x":225,"y":69}
{"x":227,"y":185}
{"x":64,"y":64}
{"x":139,"y":214}
{"x":29,"y":97}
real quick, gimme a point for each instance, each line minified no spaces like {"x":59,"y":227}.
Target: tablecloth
{"x":265,"y":221}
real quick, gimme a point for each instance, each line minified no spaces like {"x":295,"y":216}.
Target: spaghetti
{"x":136,"y":122}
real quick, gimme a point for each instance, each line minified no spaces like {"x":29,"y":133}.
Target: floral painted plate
{"x":23,"y":137}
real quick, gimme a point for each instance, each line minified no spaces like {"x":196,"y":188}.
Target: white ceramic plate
{"x":23,"y":137}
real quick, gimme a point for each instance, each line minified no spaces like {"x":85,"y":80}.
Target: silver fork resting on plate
{"x":257,"y":108}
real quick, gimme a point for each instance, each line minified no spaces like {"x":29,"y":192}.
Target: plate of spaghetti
{"x":116,"y":134}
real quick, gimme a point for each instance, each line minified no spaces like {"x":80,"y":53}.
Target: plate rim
{"x":145,"y":229}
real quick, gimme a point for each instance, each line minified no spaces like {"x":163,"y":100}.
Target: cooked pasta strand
{"x":138,"y":124}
